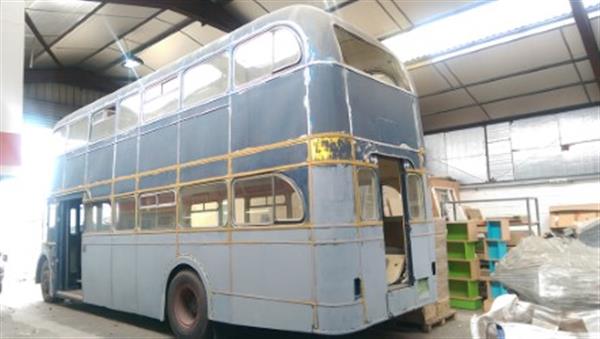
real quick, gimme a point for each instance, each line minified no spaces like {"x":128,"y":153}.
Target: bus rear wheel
{"x":46,"y":283}
{"x":187,"y":308}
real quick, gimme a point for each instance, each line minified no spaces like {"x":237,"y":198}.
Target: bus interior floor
{"x":24,"y":314}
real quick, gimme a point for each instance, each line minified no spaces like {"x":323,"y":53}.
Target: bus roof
{"x":310,"y":21}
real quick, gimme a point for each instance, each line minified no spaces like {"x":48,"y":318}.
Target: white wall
{"x":549,"y":193}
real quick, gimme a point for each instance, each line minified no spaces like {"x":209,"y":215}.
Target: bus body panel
{"x":325,"y":274}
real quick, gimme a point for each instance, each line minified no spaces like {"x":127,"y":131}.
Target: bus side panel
{"x":96,"y":272}
{"x":124,"y":295}
{"x":205,"y":135}
{"x":327,"y":98}
{"x":380,"y":112}
{"x":74,"y":170}
{"x":268,"y":113}
{"x":57,"y":173}
{"x":158,"y":147}
{"x":100,"y":162}
{"x":374,"y":272}
{"x":154,"y":254}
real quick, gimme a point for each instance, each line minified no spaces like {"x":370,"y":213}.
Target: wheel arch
{"x":38,"y":269}
{"x":180,"y":264}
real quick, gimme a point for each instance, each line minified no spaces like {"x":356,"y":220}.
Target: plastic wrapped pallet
{"x":558,"y":272}
{"x":511,"y":318}
{"x":589,"y":233}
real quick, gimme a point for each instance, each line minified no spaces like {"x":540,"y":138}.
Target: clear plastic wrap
{"x":559,"y":273}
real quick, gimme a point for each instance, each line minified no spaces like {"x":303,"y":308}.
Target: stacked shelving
{"x":491,"y":249}
{"x":463,"y":265}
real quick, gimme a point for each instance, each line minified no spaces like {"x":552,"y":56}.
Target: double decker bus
{"x":273,"y":178}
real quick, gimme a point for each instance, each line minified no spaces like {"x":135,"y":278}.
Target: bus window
{"x":265,"y":54}
{"x":266,"y":200}
{"x":129,"y":112}
{"x":205,"y":80}
{"x":59,"y":139}
{"x":416,"y":203}
{"x":157,"y":210}
{"x":103,"y":124}
{"x":370,"y":59}
{"x":125,"y":213}
{"x":367,"y":186}
{"x":161,"y":99}
{"x":98,"y":216}
{"x":204,"y":205}
{"x":78,"y":134}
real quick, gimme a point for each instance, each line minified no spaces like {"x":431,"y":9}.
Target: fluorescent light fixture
{"x":131,"y":62}
{"x":482,"y":23}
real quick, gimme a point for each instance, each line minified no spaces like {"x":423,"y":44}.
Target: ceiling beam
{"x":151,"y":42}
{"x":586,"y":32}
{"x":41,"y":40}
{"x":210,"y":12}
{"x":121,"y":36}
{"x":75,"y":77}
{"x":72,"y":28}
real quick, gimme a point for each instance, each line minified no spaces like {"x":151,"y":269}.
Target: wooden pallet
{"x":439,"y":320}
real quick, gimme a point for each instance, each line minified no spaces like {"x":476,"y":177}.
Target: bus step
{"x":76,"y":295}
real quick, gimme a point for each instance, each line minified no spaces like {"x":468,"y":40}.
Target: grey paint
{"x":278,"y":157}
{"x":74,"y":170}
{"x":213,"y":169}
{"x":158,"y":148}
{"x":205,"y":135}
{"x":96,"y":275}
{"x":100,"y":191}
{"x":156,"y":180}
{"x":124,"y":186}
{"x":256,"y":123}
{"x":380,"y":112}
{"x":126,"y":157}
{"x":332,"y":206}
{"x":100,"y":164}
{"x":327,"y":99}
{"x":124,"y":285}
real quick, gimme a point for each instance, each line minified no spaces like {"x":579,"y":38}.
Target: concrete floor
{"x":24,"y":314}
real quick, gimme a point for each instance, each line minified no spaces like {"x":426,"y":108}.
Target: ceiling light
{"x":483,"y":23}
{"x":131,"y":62}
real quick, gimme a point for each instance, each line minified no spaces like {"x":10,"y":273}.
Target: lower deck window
{"x":98,"y":216}
{"x":125,"y":213}
{"x":266,"y":200}
{"x":416,"y":199}
{"x":204,"y":205}
{"x":157,"y":210}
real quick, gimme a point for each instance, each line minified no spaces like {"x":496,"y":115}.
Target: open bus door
{"x":68,"y":244}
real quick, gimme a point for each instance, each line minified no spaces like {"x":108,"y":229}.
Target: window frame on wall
{"x":106,"y":116}
{"x":142,"y":208}
{"x":84,"y":121}
{"x":274,"y":221}
{"x":117,"y":213}
{"x":376,"y":209}
{"x":118,"y":127}
{"x":94,"y":209}
{"x":273,"y":70}
{"x":157,"y":114}
{"x":222,"y":211}
{"x":206,"y":61}
{"x":420,"y":201}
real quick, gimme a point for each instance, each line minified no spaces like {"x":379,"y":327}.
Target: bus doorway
{"x":68,"y":245}
{"x":396,"y":227}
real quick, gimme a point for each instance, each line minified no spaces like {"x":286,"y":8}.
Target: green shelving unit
{"x":461,"y":249}
{"x":474,"y":303}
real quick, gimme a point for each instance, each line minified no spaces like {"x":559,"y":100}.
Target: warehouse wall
{"x":554,"y":158}
{"x":549,"y":193}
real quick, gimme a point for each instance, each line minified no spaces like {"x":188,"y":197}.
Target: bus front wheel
{"x":46,"y":283}
{"x":187,"y":308}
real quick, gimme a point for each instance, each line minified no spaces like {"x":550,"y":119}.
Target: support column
{"x":12,"y":40}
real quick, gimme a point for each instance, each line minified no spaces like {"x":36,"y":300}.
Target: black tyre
{"x":46,"y":283}
{"x":187,"y":308}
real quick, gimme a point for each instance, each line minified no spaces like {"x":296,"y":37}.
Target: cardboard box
{"x":570,"y":215}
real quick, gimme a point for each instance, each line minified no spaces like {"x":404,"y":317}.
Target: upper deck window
{"x":161,"y":99}
{"x":129,"y":112}
{"x":205,"y":80}
{"x":103,"y":124}
{"x":265,"y":54}
{"x":78,"y":134}
{"x":371,"y":59}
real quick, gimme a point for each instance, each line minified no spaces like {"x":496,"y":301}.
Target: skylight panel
{"x":482,"y":23}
